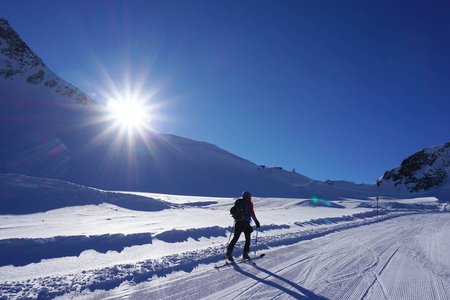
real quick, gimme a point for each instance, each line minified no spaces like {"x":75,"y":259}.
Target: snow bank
{"x":20,"y":252}
{"x":177,"y":236}
{"x":24,"y":195}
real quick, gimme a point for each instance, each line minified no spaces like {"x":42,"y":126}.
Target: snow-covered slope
{"x":23,"y":195}
{"x":425,"y":170}
{"x":49,"y":128}
{"x":77,"y":242}
{"x":20,"y":66}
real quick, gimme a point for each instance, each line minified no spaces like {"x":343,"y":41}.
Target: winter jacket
{"x":249,"y":211}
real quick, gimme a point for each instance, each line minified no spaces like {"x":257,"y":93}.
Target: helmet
{"x":246,"y":194}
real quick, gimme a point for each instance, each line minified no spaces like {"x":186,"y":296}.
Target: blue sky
{"x":335,"y":89}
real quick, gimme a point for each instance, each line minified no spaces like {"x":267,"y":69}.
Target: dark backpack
{"x":237,"y":211}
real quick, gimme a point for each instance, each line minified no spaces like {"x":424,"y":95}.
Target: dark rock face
{"x":36,"y":77}
{"x":423,"y":170}
{"x":12,"y":47}
{"x":19,"y":62}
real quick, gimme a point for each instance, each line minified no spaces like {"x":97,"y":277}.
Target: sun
{"x":129,"y":114}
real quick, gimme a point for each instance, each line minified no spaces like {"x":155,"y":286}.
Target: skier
{"x":242,"y":224}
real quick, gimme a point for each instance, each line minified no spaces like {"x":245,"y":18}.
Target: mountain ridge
{"x":422,"y":171}
{"x":49,"y":128}
{"x":19,"y":62}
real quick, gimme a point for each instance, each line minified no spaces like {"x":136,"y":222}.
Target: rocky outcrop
{"x":422,"y":171}
{"x":19,"y":62}
{"x":18,"y":57}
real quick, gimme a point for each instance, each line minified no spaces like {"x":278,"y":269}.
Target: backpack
{"x":237,"y":211}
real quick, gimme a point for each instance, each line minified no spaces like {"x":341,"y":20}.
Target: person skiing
{"x":242,"y":224}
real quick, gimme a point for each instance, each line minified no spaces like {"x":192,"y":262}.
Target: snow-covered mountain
{"x":39,"y":112}
{"x":51,"y":129}
{"x":20,"y":65}
{"x":427,"y":170}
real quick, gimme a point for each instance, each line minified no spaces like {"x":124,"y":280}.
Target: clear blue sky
{"x":335,"y":89}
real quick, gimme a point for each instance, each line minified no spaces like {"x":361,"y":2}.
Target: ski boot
{"x":230,"y":257}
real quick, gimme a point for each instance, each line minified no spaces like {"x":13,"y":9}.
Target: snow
{"x":316,"y":248}
{"x":59,"y":239}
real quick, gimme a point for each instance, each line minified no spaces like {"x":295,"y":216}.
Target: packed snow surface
{"x":400,"y":258}
{"x":167,"y":248}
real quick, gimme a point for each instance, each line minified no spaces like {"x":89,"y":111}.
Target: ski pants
{"x":239,"y":227}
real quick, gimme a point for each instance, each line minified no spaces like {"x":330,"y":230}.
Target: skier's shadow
{"x":305,"y":294}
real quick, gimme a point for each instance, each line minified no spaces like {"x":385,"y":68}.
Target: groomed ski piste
{"x":167,"y":249}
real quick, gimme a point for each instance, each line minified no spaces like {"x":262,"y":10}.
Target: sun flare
{"x":129,"y":114}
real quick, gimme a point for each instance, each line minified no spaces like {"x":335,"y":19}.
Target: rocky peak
{"x":19,"y":62}
{"x":17,"y":56}
{"x":422,"y":171}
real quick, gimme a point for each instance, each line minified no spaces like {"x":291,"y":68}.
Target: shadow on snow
{"x":20,"y":252}
{"x":301,"y":292}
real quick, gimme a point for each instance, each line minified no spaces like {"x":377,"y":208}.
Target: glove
{"x":257,"y":224}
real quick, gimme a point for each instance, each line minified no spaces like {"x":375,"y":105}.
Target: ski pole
{"x":256,"y":241}
{"x":229,"y":239}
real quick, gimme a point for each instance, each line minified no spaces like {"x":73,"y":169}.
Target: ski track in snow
{"x":329,"y":262}
{"x":371,"y":260}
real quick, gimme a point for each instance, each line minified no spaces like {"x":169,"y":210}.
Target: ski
{"x":246,"y":260}
{"x":251,"y":259}
{"x":239,"y":261}
{"x":225,"y":264}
